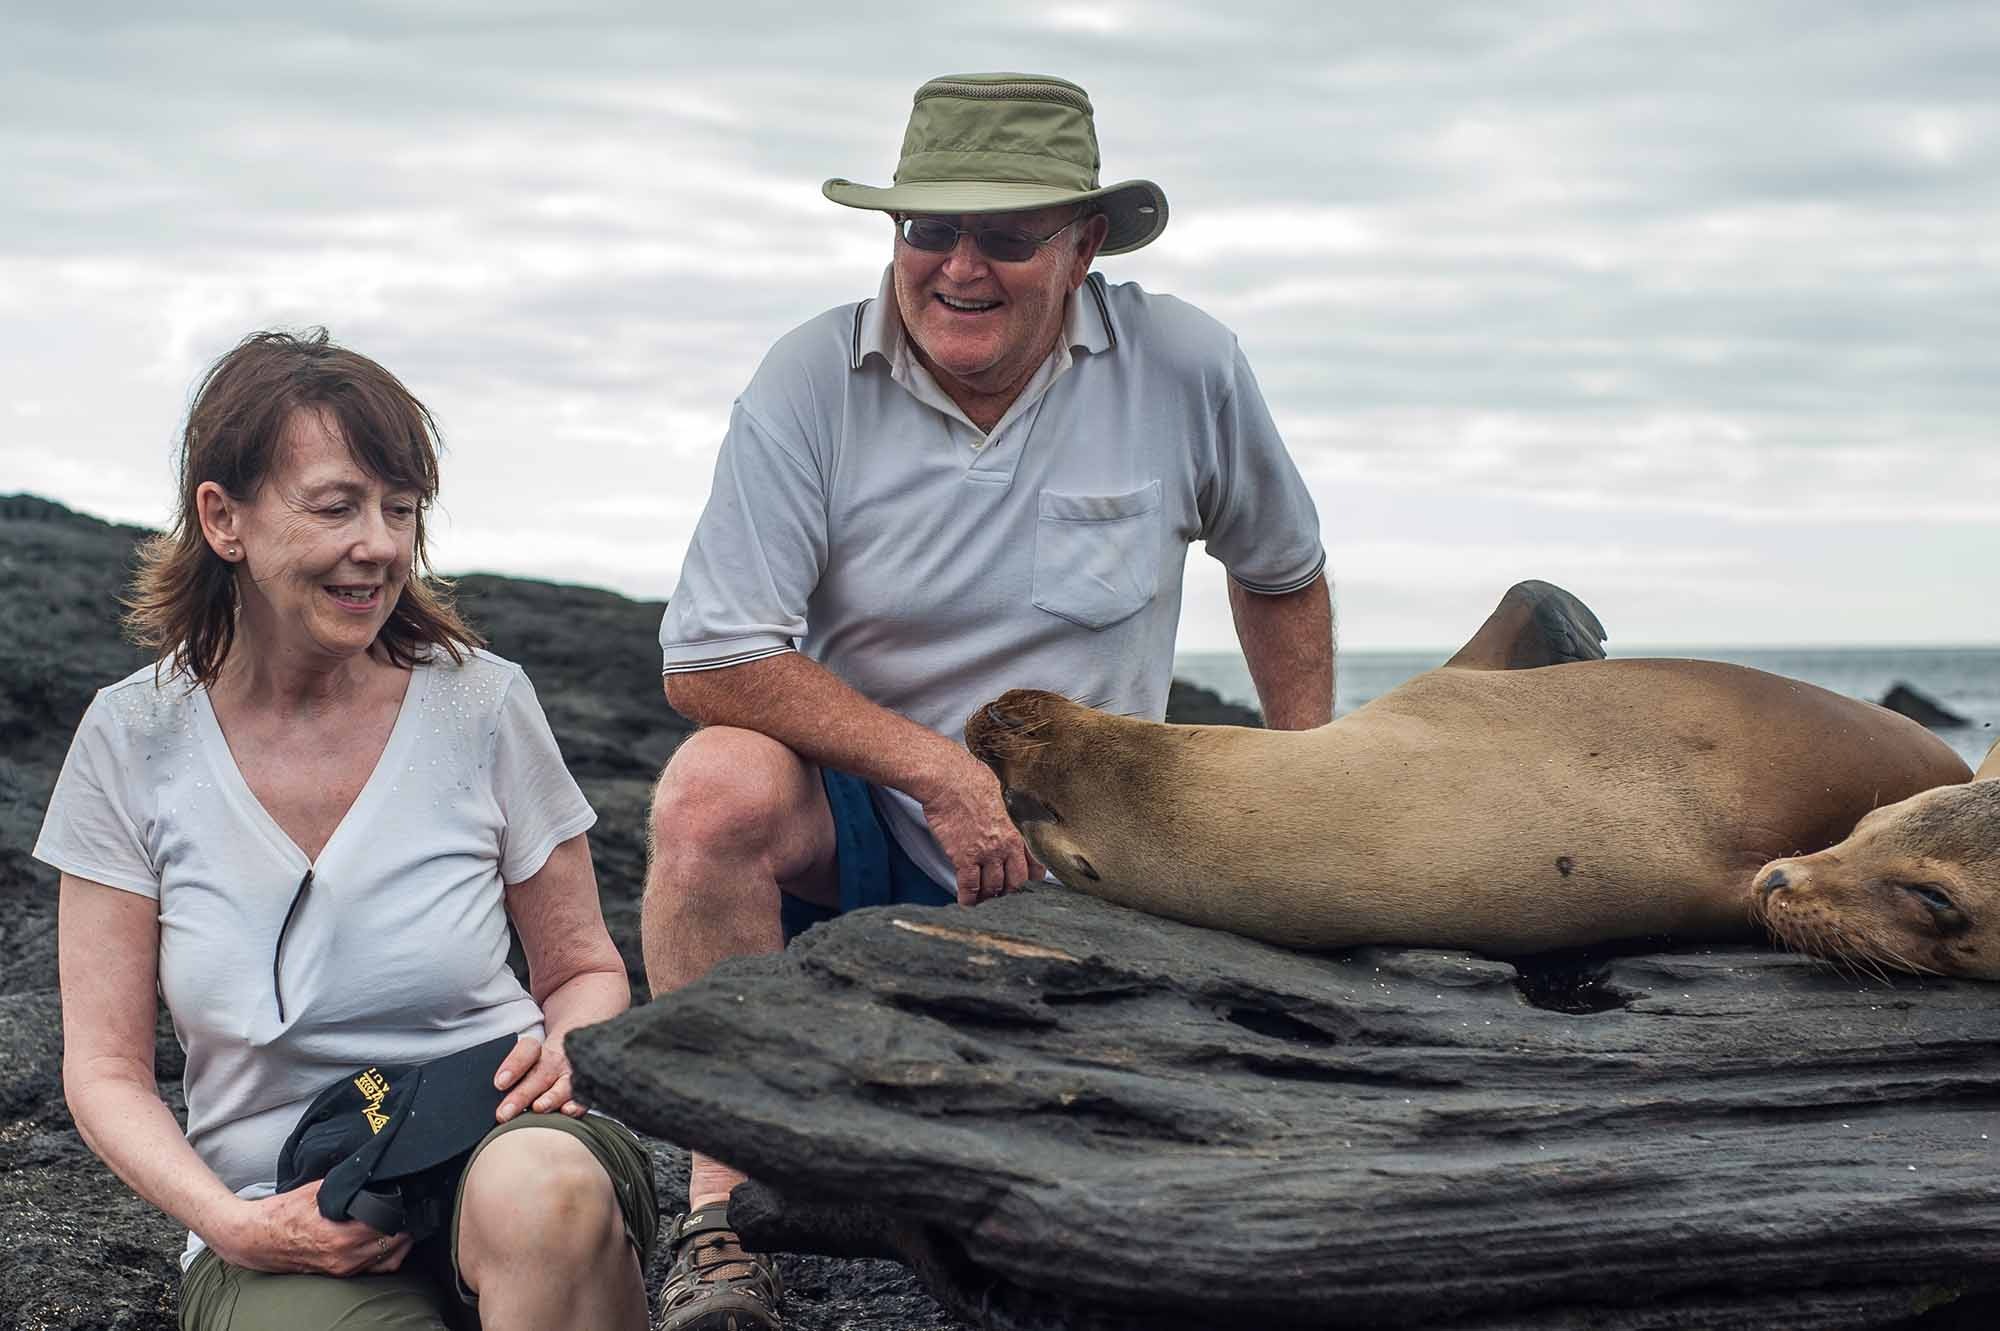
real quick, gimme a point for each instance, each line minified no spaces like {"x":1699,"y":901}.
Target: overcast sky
{"x":1693,"y":308}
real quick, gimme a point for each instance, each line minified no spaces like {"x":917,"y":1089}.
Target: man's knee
{"x":729,"y":794}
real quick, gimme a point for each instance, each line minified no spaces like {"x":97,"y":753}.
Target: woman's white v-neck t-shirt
{"x":397,"y":951}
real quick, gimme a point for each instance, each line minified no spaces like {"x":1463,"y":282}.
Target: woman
{"x":307,"y":827}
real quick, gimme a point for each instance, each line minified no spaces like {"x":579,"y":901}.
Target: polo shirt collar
{"x":878,"y":326}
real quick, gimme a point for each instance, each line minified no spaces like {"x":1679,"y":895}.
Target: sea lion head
{"x":1059,"y":764}
{"x":1915,"y":886}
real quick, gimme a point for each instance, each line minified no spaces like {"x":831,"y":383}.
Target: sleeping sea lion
{"x":1526,"y":795}
{"x":1915,"y":886}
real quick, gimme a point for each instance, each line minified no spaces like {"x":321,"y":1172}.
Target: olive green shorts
{"x":425,"y":1294}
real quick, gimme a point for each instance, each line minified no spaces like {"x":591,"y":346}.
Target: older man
{"x":985,"y":477}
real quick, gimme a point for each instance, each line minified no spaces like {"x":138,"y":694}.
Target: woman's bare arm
{"x":574,"y":972}
{"x":108,"y":948}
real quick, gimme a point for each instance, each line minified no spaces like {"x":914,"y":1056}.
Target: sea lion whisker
{"x":1789,"y":933}
{"x":1831,"y":953}
{"x":1830,"y":946}
{"x":1867,"y":954}
{"x":1901,"y":962}
{"x":1873,"y":966}
{"x":1827,"y":939}
{"x":1859,"y":964}
{"x":1104,"y":705}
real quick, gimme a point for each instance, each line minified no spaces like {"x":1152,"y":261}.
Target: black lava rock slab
{"x":1066,"y":1114}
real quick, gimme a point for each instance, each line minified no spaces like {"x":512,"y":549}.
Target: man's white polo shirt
{"x":857,"y":516}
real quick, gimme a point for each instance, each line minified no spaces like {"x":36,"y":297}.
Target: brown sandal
{"x":713,"y":1285}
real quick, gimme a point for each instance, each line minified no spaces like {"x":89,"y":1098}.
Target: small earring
{"x":235,"y":551}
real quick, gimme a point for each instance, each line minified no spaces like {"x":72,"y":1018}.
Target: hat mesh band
{"x":997,"y":92}
{"x":976,"y":163}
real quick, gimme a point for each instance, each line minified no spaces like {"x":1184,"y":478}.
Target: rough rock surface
{"x":1921,"y":708}
{"x":1087,"y":1118}
{"x":79,"y":1249}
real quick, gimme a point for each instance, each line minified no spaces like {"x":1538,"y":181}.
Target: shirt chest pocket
{"x":1097,"y":557}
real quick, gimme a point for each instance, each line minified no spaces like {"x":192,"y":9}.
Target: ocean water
{"x":1964,"y":680}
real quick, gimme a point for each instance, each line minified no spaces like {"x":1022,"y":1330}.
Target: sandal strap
{"x":697,"y":1257}
{"x":710,"y":1219}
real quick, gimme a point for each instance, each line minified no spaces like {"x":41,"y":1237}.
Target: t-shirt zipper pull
{"x":278,"y":953}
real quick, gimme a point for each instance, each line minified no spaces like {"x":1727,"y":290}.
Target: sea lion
{"x":1526,"y":795}
{"x":1915,"y":885}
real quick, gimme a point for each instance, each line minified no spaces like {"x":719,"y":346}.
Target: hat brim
{"x":452,"y":1110}
{"x":449,"y":1109}
{"x":1135,"y":209}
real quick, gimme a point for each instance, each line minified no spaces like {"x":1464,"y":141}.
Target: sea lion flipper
{"x":1535,"y":624}
{"x":1990,"y":769}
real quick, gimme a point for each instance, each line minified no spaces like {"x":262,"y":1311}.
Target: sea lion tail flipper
{"x":1990,"y":769}
{"x":1535,"y":624}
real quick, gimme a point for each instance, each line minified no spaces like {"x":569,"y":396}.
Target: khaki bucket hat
{"x":995,"y":143}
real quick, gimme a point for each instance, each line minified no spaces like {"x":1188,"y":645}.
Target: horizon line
{"x":1657,"y":648}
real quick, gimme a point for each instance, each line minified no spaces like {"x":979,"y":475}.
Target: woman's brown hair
{"x":183,"y":602}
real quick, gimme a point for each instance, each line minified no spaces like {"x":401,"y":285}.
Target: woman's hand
{"x":286,"y":1233}
{"x":536,"y":1077}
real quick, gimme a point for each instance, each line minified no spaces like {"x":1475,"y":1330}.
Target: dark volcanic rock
{"x":60,"y":578}
{"x":82,"y":1250}
{"x":1087,"y":1118}
{"x":1925,"y":711}
{"x":1192,"y":705}
{"x":594,"y":657}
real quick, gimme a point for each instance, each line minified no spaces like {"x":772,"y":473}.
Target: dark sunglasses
{"x":1002,"y":244}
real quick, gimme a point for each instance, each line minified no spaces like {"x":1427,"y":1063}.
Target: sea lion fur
{"x":1525,"y":796}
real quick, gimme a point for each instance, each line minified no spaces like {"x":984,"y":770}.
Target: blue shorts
{"x":874,"y":868}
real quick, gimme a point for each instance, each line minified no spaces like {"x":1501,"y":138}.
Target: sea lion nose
{"x":1774,"y":881}
{"x":1025,"y":808}
{"x":988,"y":729}
{"x":1000,"y":717}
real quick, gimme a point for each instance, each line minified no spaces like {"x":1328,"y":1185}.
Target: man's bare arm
{"x":813,"y":712}
{"x":1288,"y":643}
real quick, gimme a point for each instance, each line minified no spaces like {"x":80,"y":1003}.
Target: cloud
{"x":1709,"y":274}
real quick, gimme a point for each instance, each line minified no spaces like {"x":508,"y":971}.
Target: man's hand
{"x":536,"y":1077}
{"x":962,"y":804}
{"x":809,"y":709}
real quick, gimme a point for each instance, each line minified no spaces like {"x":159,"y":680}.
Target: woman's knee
{"x":538,"y":1196}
